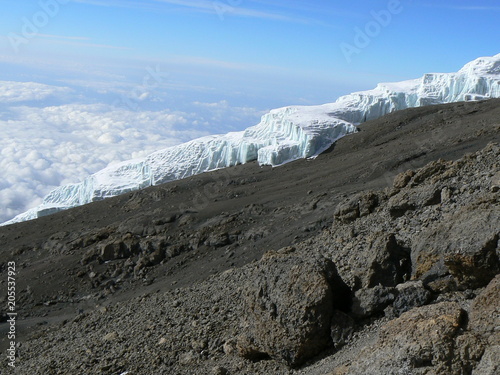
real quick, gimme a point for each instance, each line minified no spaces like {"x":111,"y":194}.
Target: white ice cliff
{"x":283,"y":135}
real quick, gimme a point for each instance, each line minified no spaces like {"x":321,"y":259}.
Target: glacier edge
{"x":283,"y":135}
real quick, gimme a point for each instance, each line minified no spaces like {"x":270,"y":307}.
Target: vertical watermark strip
{"x":11,"y":313}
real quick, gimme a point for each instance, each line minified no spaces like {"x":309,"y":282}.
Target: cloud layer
{"x":44,"y":146}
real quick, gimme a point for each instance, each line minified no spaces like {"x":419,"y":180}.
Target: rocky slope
{"x":354,"y":278}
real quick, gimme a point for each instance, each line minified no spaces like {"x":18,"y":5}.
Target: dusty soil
{"x":101,"y":254}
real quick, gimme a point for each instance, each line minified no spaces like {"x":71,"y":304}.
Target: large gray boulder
{"x":289,"y":302}
{"x":372,"y":259}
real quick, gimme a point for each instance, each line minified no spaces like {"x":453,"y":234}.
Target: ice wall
{"x":283,"y":135}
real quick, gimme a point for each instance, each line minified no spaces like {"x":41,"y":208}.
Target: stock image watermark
{"x":153,"y":78}
{"x":31,"y":26}
{"x":223,"y":7}
{"x":363,"y":36}
{"x":11,"y":314}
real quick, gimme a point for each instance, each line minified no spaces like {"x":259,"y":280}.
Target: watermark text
{"x":11,"y":313}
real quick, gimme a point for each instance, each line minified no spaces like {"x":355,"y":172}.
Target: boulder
{"x":367,"y":302}
{"x":375,"y":259}
{"x":484,"y":316}
{"x":402,"y":179}
{"x":489,"y":364}
{"x":464,"y":245}
{"x":358,"y":206}
{"x":343,"y":327}
{"x":119,"y":249}
{"x":420,"y":341}
{"x":410,"y":295}
{"x":289,"y":302}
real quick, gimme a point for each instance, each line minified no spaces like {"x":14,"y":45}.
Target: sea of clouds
{"x":52,"y":135}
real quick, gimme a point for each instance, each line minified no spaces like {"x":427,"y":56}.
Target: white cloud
{"x":219,"y":8}
{"x":483,"y":8}
{"x":28,"y":91}
{"x":44,"y":146}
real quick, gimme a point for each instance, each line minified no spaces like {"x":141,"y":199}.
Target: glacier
{"x":283,"y":135}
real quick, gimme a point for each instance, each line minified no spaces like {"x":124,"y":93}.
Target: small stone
{"x":187,"y":358}
{"x":217,"y":370}
{"x":445,"y":194}
{"x":229,"y":347}
{"x":110,"y":336}
{"x":199,"y":345}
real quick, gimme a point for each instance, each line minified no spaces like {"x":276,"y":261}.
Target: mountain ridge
{"x":199,"y":272}
{"x":283,"y":135}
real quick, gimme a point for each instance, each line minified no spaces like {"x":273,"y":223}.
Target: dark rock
{"x":430,"y":196}
{"x":464,"y":245}
{"x":218,"y":239}
{"x":174,"y":250}
{"x":89,"y":256}
{"x":342,"y":329}
{"x":166,"y":220}
{"x":289,"y":305}
{"x":475,"y":270}
{"x":398,"y":206}
{"x":360,"y":205}
{"x":367,"y":203}
{"x":469,"y":349}
{"x":347,"y":212}
{"x":370,"y":260}
{"x":156,"y":256}
{"x":430,"y":170}
{"x":389,"y":262}
{"x":119,"y":249}
{"x":489,"y":364}
{"x":442,"y":285}
{"x":410,"y":295}
{"x":367,"y":302}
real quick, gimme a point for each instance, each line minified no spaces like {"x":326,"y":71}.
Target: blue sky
{"x":262,"y":53}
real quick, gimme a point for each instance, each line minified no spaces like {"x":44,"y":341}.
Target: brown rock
{"x":485,"y":312}
{"x":372,"y":260}
{"x":289,"y":304}
{"x":464,"y":244}
{"x":402,"y":179}
{"x":422,"y":338}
